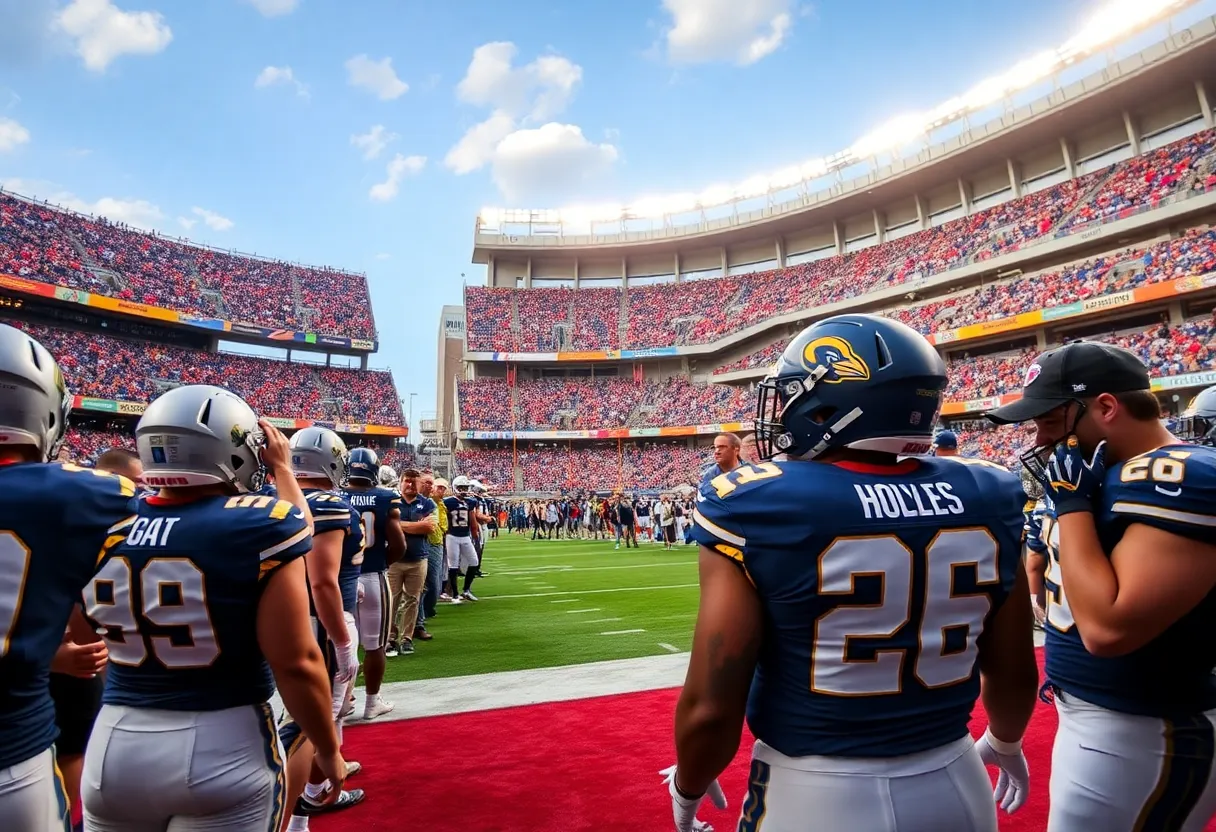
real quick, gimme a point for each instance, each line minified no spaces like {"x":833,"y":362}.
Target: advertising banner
{"x":172,"y":316}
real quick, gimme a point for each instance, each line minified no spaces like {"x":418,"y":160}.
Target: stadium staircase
{"x":1084,"y":198}
{"x":304,"y":313}
{"x":518,"y":474}
{"x":204,"y":291}
{"x":514,"y":320}
{"x":622,"y":321}
{"x":105,"y":274}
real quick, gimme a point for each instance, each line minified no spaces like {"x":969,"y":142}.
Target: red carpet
{"x":587,"y":765}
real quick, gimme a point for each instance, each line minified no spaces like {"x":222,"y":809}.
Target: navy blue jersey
{"x":54,"y":520}
{"x":177,"y":594}
{"x":330,"y":512}
{"x":876,"y":584}
{"x":1174,"y":489}
{"x":1035,"y":512}
{"x":460,"y":508}
{"x":373,"y":506}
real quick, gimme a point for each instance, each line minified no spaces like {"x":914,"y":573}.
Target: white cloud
{"x":400,"y":167}
{"x":528,"y":153}
{"x":103,"y":32}
{"x":377,"y":77}
{"x":537,"y":91}
{"x":476,"y":147}
{"x":272,"y":76}
{"x":743,"y":31}
{"x":373,"y":142}
{"x":12,"y":134}
{"x":186,"y":222}
{"x":275,"y":8}
{"x":212,"y":220}
{"x":548,"y":161}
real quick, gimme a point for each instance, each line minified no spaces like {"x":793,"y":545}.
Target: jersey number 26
{"x":941,"y":609}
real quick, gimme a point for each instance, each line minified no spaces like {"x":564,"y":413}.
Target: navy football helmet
{"x":1198,"y":422}
{"x":363,"y":464}
{"x":851,"y":381}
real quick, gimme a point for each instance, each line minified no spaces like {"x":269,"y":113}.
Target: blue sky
{"x":366,"y":134}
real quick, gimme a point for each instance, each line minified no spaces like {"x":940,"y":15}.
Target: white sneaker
{"x":455,"y":601}
{"x":468,"y":596}
{"x":443,"y":596}
{"x":375,"y":707}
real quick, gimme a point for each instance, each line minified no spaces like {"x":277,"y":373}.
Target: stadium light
{"x":1115,"y":21}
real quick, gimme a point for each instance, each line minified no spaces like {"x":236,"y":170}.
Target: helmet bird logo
{"x":838,"y":356}
{"x":238,"y":435}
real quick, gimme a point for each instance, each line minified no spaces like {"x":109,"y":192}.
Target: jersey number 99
{"x":173,"y":594}
{"x":940,"y":609}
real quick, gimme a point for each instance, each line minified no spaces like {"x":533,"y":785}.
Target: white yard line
{"x":544,"y":570}
{"x":588,"y":591}
{"x":576,"y":612}
{"x":670,"y":648}
{"x":566,"y":601}
{"x":621,"y":632}
{"x":600,"y":620}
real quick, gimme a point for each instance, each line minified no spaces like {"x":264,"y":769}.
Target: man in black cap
{"x":1130,"y":531}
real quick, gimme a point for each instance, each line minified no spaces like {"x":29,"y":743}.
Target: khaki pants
{"x":405,"y":581}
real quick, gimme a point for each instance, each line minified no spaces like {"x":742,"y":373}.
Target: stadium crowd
{"x":115,"y":368}
{"x":42,"y":243}
{"x":589,"y":404}
{"x":702,"y":311}
{"x":599,"y":467}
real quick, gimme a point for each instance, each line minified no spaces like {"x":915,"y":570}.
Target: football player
{"x":1130,"y":525}
{"x":458,"y":546}
{"x":54,"y":520}
{"x":379,"y":511}
{"x":853,"y":599}
{"x":1036,"y":546}
{"x":318,"y":462}
{"x":201,"y":596}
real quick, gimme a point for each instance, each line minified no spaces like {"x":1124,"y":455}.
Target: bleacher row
{"x":1193,"y":253}
{"x":586,"y":404}
{"x":702,"y":311}
{"x":116,"y":368}
{"x":41,"y":243}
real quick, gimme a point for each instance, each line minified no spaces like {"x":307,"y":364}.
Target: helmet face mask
{"x":1197,"y":424}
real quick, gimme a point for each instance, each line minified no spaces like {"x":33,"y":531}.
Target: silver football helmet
{"x":321,"y":453}
{"x":388,"y":476}
{"x":462,"y":483}
{"x":201,"y":435}
{"x":34,"y":401}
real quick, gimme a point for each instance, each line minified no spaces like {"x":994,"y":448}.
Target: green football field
{"x":557,"y":602}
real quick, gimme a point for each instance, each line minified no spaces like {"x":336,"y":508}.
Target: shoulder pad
{"x":262,"y":504}
{"x":1171,"y":488}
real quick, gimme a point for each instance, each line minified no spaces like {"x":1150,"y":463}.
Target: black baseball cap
{"x":1080,"y":370}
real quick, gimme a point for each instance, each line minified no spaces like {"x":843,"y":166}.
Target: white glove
{"x":1013,"y":782}
{"x":362,"y":592}
{"x":684,"y":810}
{"x":1040,"y":612}
{"x":348,"y":663}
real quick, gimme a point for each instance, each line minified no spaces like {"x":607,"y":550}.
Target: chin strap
{"x":832,"y":432}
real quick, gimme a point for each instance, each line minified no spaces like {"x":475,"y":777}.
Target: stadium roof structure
{"x":907,"y":147}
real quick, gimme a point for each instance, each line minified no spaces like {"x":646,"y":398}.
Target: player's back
{"x":178,"y":596}
{"x":54,"y":519}
{"x":460,"y":509}
{"x":876,"y":584}
{"x":373,"y":506}
{"x":1173,"y":489}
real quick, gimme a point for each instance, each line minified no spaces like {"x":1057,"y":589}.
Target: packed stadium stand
{"x":39,"y":242}
{"x":702,"y":311}
{"x":1056,"y":268}
{"x":125,"y":370}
